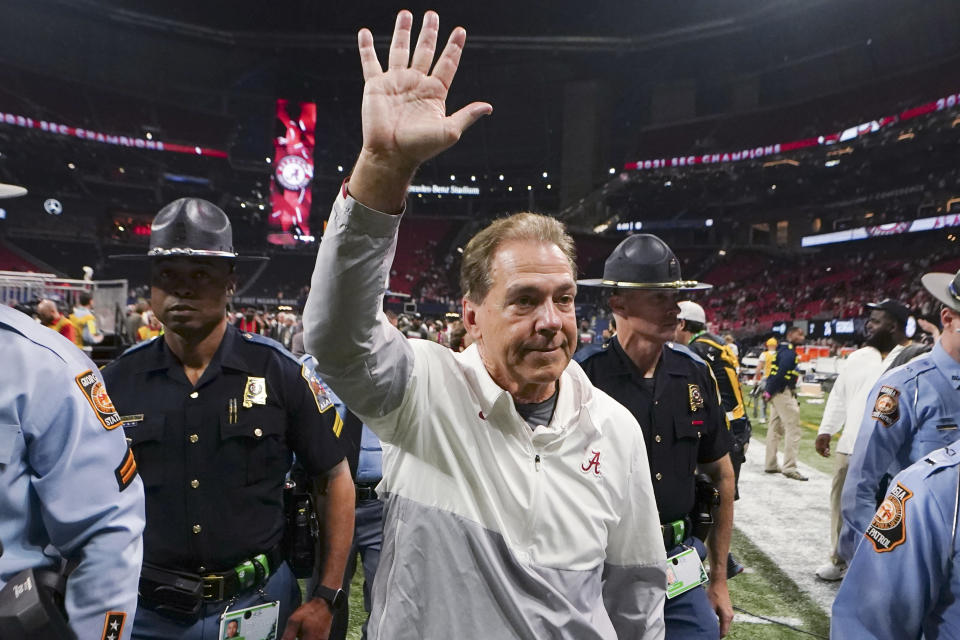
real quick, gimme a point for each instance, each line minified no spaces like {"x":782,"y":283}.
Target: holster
{"x":706,"y":500}
{"x":31,"y":607}
{"x":175,"y":594}
{"x":302,"y":530}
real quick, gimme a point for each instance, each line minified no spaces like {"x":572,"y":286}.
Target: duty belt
{"x":225,"y":585}
{"x":675,"y":532}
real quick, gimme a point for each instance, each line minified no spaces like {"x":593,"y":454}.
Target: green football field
{"x":765,"y":591}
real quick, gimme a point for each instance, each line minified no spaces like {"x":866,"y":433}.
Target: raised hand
{"x":404,"y":109}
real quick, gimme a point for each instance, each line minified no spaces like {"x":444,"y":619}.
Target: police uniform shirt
{"x":680,"y":416}
{"x":213,"y":457}
{"x":911,"y":411}
{"x":67,"y":478}
{"x":904,"y":579}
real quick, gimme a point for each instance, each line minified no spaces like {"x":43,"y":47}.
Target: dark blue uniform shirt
{"x":213,"y":457}
{"x":783,"y":373}
{"x":680,"y":414}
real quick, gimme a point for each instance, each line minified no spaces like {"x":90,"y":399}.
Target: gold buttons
{"x":196,"y":528}
{"x":659,"y":476}
{"x":258,"y":432}
{"x":658,"y":438}
{"x":194,"y":483}
{"x":194,"y":438}
{"x":194,"y":394}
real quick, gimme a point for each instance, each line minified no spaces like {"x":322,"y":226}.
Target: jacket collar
{"x":574,"y":399}
{"x":949,"y":367}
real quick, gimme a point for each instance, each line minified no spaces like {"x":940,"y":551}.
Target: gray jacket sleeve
{"x":363,"y":358}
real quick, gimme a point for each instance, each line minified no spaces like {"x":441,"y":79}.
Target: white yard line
{"x":788,"y":520}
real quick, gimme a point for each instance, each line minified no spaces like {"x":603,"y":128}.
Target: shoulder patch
{"x":888,"y":530}
{"x":696,"y":397}
{"x":113,"y":625}
{"x":96,"y":395}
{"x":126,"y":472}
{"x":321,"y":394}
{"x":887,"y":407}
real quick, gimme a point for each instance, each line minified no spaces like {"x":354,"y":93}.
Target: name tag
{"x":684,"y":572}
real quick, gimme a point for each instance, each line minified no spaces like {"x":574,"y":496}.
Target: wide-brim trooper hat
{"x":945,"y":287}
{"x":643,"y":261}
{"x":190,"y":228}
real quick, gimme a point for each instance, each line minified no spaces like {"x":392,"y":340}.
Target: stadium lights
{"x":243,"y":205}
{"x":722,"y":252}
{"x":668,"y":183}
{"x":120,"y":227}
{"x":509,"y":188}
{"x":121,"y":170}
{"x":198,"y":150}
{"x":544,"y":174}
{"x":262,"y":207}
{"x":268,"y":159}
{"x":612,"y":171}
{"x":473,"y":178}
{"x":831,"y":163}
{"x":149,"y":136}
{"x":501,"y":177}
{"x":340,"y":168}
{"x":549,"y":186}
{"x":71,"y":166}
{"x":453,"y":177}
{"x":708,"y":222}
{"x":529,"y":187}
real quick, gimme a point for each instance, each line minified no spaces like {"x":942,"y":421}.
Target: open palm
{"x":404,"y":109}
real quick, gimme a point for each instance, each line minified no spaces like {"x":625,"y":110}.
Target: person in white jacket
{"x":517,"y":497}
{"x":886,"y":338}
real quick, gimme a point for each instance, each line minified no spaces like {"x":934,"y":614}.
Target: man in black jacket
{"x":781,"y":394}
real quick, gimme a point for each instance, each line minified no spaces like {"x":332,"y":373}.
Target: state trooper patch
{"x":320,"y":393}
{"x":96,"y":395}
{"x":887,"y":407}
{"x":696,"y":397}
{"x":889,"y":527}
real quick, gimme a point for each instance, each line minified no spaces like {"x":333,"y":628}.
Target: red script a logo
{"x":593,"y":462}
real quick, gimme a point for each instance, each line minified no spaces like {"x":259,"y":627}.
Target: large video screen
{"x":289,"y":221}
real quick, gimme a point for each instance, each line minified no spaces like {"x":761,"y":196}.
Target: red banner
{"x":850,"y":133}
{"x":293,"y":172}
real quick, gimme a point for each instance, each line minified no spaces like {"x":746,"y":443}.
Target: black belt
{"x":224,"y":585}
{"x":367,"y":491}
{"x":675,"y":532}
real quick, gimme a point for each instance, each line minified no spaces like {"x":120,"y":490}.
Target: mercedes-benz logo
{"x":52,"y":206}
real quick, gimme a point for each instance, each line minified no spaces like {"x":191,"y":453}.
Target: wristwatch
{"x":337,"y":598}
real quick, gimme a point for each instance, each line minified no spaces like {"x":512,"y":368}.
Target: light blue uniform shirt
{"x":370,"y":462}
{"x":905,"y":578}
{"x":911,"y":411}
{"x":68,"y":482}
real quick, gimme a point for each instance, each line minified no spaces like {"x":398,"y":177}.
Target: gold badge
{"x":696,"y":398}
{"x":255,"y":392}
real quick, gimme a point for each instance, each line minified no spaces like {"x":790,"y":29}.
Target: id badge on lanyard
{"x":258,"y":622}
{"x":684,"y":572}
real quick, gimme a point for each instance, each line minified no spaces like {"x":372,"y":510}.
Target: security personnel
{"x":672,"y":394}
{"x":781,"y":393}
{"x":764,"y":365}
{"x":214,"y":417}
{"x":904,"y":580}
{"x":912,"y":410}
{"x":68,"y":481}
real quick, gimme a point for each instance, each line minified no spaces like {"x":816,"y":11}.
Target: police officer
{"x":214,"y":416}
{"x":904,"y":579}
{"x":781,"y":393}
{"x":67,"y":478}
{"x":912,"y":410}
{"x":672,"y":393}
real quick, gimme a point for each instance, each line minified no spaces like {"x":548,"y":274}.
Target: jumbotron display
{"x":289,"y":221}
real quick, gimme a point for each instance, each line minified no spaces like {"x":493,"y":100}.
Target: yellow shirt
{"x":766,"y":361}
{"x":145,"y":333}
